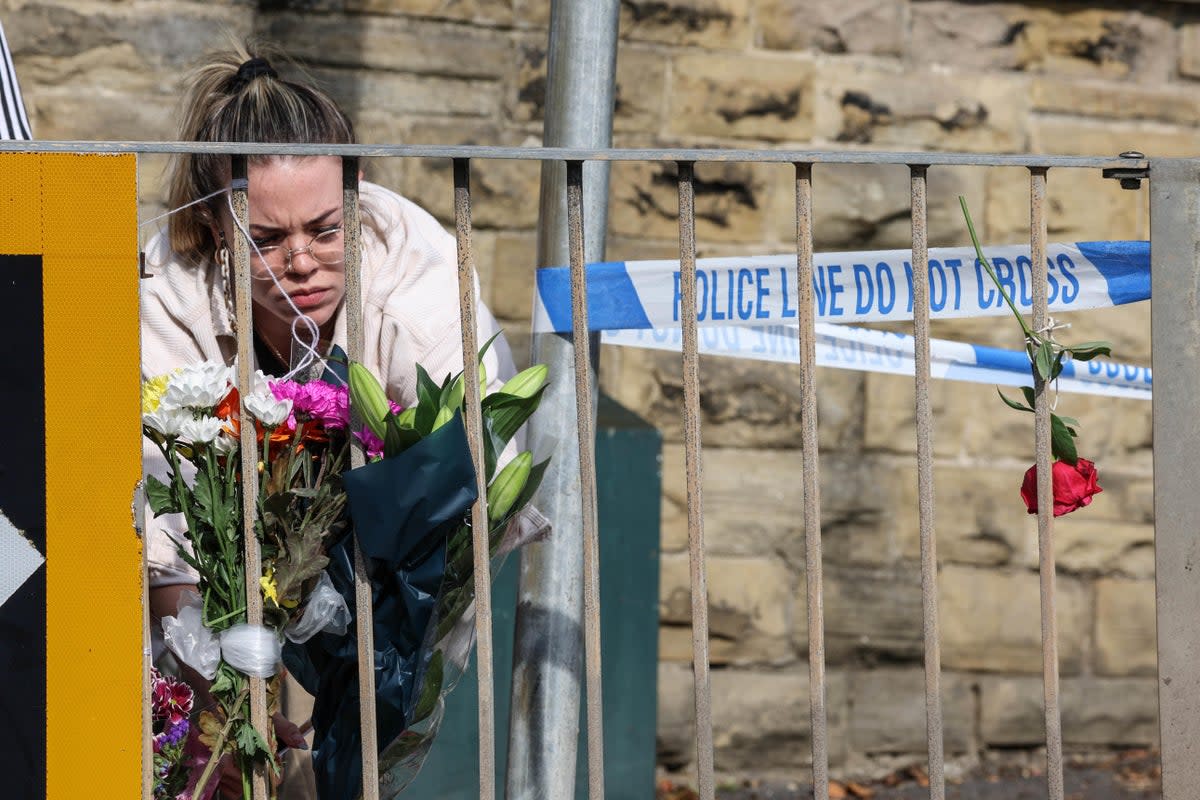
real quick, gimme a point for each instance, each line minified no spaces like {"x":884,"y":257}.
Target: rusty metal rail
{"x":1176,"y":230}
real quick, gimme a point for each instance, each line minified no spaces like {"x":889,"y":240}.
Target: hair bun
{"x":249,"y":70}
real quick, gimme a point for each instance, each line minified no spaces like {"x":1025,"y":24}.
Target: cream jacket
{"x":410,"y":316}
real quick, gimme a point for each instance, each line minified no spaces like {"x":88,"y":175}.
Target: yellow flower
{"x":269,"y":587}
{"x":152,"y":392}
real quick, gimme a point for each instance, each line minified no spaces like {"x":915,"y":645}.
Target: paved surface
{"x":1127,"y":776}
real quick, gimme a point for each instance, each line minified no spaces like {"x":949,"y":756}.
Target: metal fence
{"x":1175,"y":234}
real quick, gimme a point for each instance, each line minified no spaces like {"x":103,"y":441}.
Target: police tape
{"x":847,"y":347}
{"x":746,"y":307}
{"x":847,"y":287}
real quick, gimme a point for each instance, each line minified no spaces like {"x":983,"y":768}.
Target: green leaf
{"x":1030,"y":397}
{"x":223,"y":683}
{"x":1058,"y":364}
{"x":159,"y":496}
{"x":1062,"y":441}
{"x":1089,"y":350}
{"x":431,"y":688}
{"x":508,"y":412}
{"x":250,"y":743}
{"x":1042,"y":361}
{"x":1014,"y":403}
{"x":428,"y":396}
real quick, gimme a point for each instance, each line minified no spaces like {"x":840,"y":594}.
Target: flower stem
{"x":962,"y":201}
{"x":219,"y":745}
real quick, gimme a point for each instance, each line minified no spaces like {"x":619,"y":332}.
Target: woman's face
{"x":296,"y":203}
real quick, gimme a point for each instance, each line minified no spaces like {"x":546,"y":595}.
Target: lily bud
{"x":526,"y":382}
{"x":508,"y":485}
{"x":368,"y":399}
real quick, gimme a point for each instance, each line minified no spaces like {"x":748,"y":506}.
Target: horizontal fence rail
{"x":582,"y":436}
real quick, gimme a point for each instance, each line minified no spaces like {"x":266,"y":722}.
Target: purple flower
{"x":324,"y":402}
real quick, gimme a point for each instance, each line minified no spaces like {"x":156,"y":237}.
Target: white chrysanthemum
{"x":260,"y":383}
{"x":225,"y":443}
{"x":201,"y":430}
{"x":167,"y":421}
{"x":267,"y":410}
{"x":197,"y":386}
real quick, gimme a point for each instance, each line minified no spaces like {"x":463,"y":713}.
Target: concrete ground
{"x":1131,"y":775}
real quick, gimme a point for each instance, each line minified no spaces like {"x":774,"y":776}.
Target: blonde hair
{"x":236,"y":96}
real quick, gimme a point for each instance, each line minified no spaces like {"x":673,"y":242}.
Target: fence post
{"x":547,"y":653}
{"x":1175,"y":332}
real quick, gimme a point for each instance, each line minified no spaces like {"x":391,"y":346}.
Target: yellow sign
{"x":73,"y":218}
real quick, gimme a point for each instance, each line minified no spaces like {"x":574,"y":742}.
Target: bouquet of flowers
{"x":410,"y":508}
{"x":171,"y":704}
{"x":193,"y":416}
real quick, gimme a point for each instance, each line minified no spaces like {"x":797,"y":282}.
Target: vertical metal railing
{"x":249,"y":455}
{"x":811,"y":481}
{"x":1175,"y":332}
{"x":586,"y":444}
{"x":363,"y":606}
{"x":695,"y":474}
{"x":479,"y":524}
{"x":1045,"y":493}
{"x":925,"y":507}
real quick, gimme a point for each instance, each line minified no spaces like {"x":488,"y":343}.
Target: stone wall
{"x":1046,"y":77}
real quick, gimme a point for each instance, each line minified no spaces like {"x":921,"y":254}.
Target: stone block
{"x":1064,"y":136}
{"x":1092,"y":545}
{"x":1189,"y":51}
{"x":854,"y":26}
{"x":1109,"y":99}
{"x":495,"y":12}
{"x":741,"y":96}
{"x":712,"y":24}
{"x":730,"y":199}
{"x":748,"y":606}
{"x":1103,"y":712}
{"x":991,"y":620}
{"x":531,"y":13}
{"x":1109,"y":213}
{"x":399,"y":93}
{"x":1125,"y":641}
{"x":514,"y":263}
{"x":887,"y":711}
{"x":860,"y":102}
{"x":762,"y":718}
{"x":744,"y":403}
{"x":675,"y":738}
{"x":890,"y":420}
{"x":873,"y":614}
{"x":504,"y":192}
{"x":868,"y":207}
{"x":160,"y":33}
{"x":398,"y":44}
{"x":1059,"y":38}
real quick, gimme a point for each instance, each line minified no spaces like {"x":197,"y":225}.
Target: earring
{"x":227,"y":286}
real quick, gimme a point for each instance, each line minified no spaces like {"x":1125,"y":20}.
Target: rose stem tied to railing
{"x":479,"y":524}
{"x":811,"y":483}
{"x":587,"y":480}
{"x":249,"y":452}
{"x":695,"y":474}
{"x":1045,"y":490}
{"x":924,"y":419}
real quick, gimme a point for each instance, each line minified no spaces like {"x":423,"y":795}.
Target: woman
{"x":409,"y":263}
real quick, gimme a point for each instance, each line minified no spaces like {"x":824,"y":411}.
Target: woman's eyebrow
{"x":260,"y":229}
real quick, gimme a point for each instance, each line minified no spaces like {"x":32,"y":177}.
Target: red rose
{"x":1074,"y":485}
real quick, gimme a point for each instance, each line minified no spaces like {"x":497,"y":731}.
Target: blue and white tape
{"x":746,"y":307}
{"x":848,"y":287}
{"x":847,"y":347}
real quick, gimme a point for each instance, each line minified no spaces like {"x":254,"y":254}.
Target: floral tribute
{"x":1074,"y":478}
{"x":408,"y":509}
{"x":170,"y":706}
{"x":193,"y":416}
